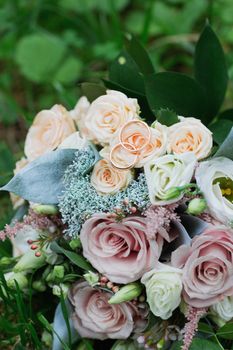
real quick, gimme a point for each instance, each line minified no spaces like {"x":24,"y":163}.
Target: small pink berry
{"x":30,"y":241}
{"x":38,"y":254}
{"x":34,"y":246}
{"x":115,"y":289}
{"x":110,"y":285}
{"x":104,"y":279}
{"x":133,"y":210}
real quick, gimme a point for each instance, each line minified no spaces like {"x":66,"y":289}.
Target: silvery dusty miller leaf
{"x":41,"y":180}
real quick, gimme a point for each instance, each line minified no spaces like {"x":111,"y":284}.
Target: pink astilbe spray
{"x":193,"y":316}
{"x":159,"y":219}
{"x":37,"y":221}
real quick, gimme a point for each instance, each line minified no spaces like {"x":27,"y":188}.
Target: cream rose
{"x":78,"y":114}
{"x":74,"y":141}
{"x":190,"y":135}
{"x":163,"y":290}
{"x":49,"y":129}
{"x":168,"y":172}
{"x":107,"y":114}
{"x":223,"y":310}
{"x":108,"y":180}
{"x":215,"y":179}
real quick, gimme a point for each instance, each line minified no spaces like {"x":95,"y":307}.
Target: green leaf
{"x":226,"y":332}
{"x":175,"y":91}
{"x":227,"y":114}
{"x":167,"y":117}
{"x":125,"y":72}
{"x":92,"y":90}
{"x":39,"y":56}
{"x":139,"y":55}
{"x":211,"y":70}
{"x":69,"y":71}
{"x":205,"y":328}
{"x":225,"y":150}
{"x":75,"y":258}
{"x":202,"y":344}
{"x":220,"y":130}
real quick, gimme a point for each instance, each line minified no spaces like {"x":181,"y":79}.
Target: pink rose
{"x":95,"y":318}
{"x":119,"y":250}
{"x":207,"y":267}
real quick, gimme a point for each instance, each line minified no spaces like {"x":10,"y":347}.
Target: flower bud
{"x":126,"y":293}
{"x":20,"y":278}
{"x":45,"y":209}
{"x":47,"y":339}
{"x":39,"y":286}
{"x":29,"y":262}
{"x":6,"y":261}
{"x":62,"y":288}
{"x":75,"y":243}
{"x":196,"y":206}
{"x":59,"y":271}
{"x":92,"y":278}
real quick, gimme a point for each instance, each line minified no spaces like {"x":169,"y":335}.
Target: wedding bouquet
{"x":125,"y":210}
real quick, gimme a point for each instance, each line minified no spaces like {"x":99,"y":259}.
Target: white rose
{"x":190,"y":135}
{"x":163,"y":290}
{"x":107,"y":114}
{"x":168,"y":172}
{"x":223,"y":310}
{"x":20,"y":241}
{"x":108,"y":180}
{"x":74,"y":141}
{"x":215,"y":179}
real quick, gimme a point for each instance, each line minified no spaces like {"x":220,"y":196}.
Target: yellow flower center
{"x":226,"y":186}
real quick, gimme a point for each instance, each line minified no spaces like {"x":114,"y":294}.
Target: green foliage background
{"x":48,"y":47}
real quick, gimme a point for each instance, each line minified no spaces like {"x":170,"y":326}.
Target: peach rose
{"x":136,"y":143}
{"x":95,"y":318}
{"x":16,"y":200}
{"x":108,"y":180}
{"x":207,"y":267}
{"x":107,"y":114}
{"x":49,"y":129}
{"x":119,"y":250}
{"x":190,"y":135}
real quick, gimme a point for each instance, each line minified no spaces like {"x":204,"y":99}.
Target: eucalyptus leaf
{"x":225,"y":150}
{"x":92,"y":90}
{"x":221,"y":129}
{"x":139,"y":54}
{"x":211,"y":71}
{"x":75,"y":258}
{"x":41,"y":180}
{"x":175,"y":91}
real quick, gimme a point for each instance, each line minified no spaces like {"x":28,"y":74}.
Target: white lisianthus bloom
{"x":166,"y":173}
{"x":163,"y":289}
{"x":79,"y":111}
{"x":190,"y":135}
{"x":215,"y":179}
{"x":107,"y":114}
{"x":20,"y":241}
{"x":74,"y":141}
{"x":223,"y":310}
{"x":108,"y":180}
